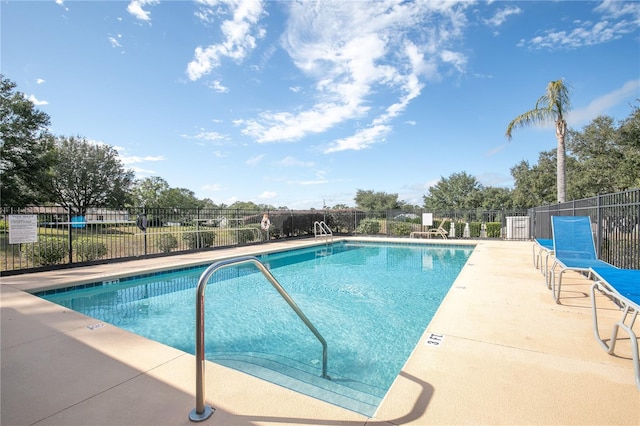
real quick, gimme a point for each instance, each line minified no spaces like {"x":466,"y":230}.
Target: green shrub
{"x":201,"y":239}
{"x":493,"y":229}
{"x":368,"y":227}
{"x":87,"y":249}
{"x":474,"y":229}
{"x":166,"y":242}
{"x":247,"y":235}
{"x":46,"y":251}
{"x":459,"y":228}
{"x":400,"y":228}
{"x":4,"y":227}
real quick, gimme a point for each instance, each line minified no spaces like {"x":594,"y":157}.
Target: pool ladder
{"x":202,"y":412}
{"x":321,"y":229}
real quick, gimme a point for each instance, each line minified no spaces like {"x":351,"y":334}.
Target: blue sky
{"x":302,"y":103}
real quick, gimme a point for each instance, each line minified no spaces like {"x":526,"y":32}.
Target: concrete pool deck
{"x":508,"y":355}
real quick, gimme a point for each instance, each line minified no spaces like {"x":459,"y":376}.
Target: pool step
{"x":341,"y":391}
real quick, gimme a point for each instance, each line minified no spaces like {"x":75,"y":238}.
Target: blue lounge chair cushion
{"x":626,"y":282}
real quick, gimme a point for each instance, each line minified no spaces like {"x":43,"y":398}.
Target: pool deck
{"x":508,"y":355}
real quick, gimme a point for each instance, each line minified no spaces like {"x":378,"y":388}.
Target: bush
{"x":46,"y":251}
{"x":368,"y":227}
{"x":400,"y":228}
{"x":459,"y":231}
{"x":474,"y":229}
{"x":201,"y":239}
{"x":493,"y":229}
{"x":87,"y":249}
{"x":166,"y":242}
{"x":247,"y":235}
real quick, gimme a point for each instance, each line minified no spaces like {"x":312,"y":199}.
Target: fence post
{"x":69,"y":232}
{"x":598,"y":226}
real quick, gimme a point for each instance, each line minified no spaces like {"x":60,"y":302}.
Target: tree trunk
{"x":561,"y":172}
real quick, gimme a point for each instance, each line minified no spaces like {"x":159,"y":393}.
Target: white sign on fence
{"x":23,"y":228}
{"x":427,"y":219}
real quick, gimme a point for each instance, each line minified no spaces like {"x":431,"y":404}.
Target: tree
{"x":250,"y":205}
{"x":178,"y":198}
{"x":146,"y":192}
{"x":496,"y":198}
{"x":376,"y":201}
{"x":553,"y":105}
{"x":207,"y":203}
{"x":84,"y":175}
{"x":25,"y":145}
{"x":628,"y":138}
{"x":535,"y":185}
{"x":458,"y":191}
{"x":340,"y":207}
{"x":599,"y":158}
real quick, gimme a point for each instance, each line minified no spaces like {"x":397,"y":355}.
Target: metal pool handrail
{"x":322,"y":229}
{"x":202,"y":412}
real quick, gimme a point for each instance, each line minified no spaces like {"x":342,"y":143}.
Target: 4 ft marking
{"x":434,"y":339}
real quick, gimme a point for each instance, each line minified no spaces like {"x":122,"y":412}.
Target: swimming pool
{"x":370,"y":301}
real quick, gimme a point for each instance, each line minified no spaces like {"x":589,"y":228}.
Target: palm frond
{"x":535,"y":116}
{"x":549,"y":107}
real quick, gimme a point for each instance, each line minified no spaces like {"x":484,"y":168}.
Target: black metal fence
{"x":53,"y":237}
{"x":615,"y":220}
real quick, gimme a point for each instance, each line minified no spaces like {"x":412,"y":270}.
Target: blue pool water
{"x":370,"y":301}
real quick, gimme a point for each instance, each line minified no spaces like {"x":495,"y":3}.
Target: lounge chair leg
{"x":628,"y":310}
{"x":634,"y":345}
{"x":556,"y":293}
{"x":594,"y":310}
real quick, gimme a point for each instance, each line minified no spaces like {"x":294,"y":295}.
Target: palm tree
{"x":553,"y":105}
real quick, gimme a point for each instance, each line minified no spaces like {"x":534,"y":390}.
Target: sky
{"x":300,"y":104}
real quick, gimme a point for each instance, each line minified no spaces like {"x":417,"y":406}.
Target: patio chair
{"x":622,"y":286}
{"x":540,"y":246}
{"x":574,"y":249}
{"x":439,"y":231}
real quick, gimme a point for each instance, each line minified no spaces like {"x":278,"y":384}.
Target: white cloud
{"x":39,"y":81}
{"x":361,"y":140}
{"x":217,"y":86}
{"x":37,"y":102}
{"x":114,"y":41}
{"x":268,"y":195}
{"x":208,"y":136}
{"x":501,"y":16}
{"x":136,"y":9}
{"x":319,"y":180}
{"x":61,"y":3}
{"x":614,"y":9}
{"x":214,"y":187}
{"x":293,"y":162}
{"x":134,"y":159}
{"x":458,"y":60}
{"x":600,"y":105}
{"x":355,"y":51}
{"x":255,"y":160}
{"x":239,"y":34}
{"x":619,"y":19}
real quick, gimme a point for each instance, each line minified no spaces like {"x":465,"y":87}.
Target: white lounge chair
{"x":439,"y":231}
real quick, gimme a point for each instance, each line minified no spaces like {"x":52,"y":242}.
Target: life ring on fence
{"x":265,"y":223}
